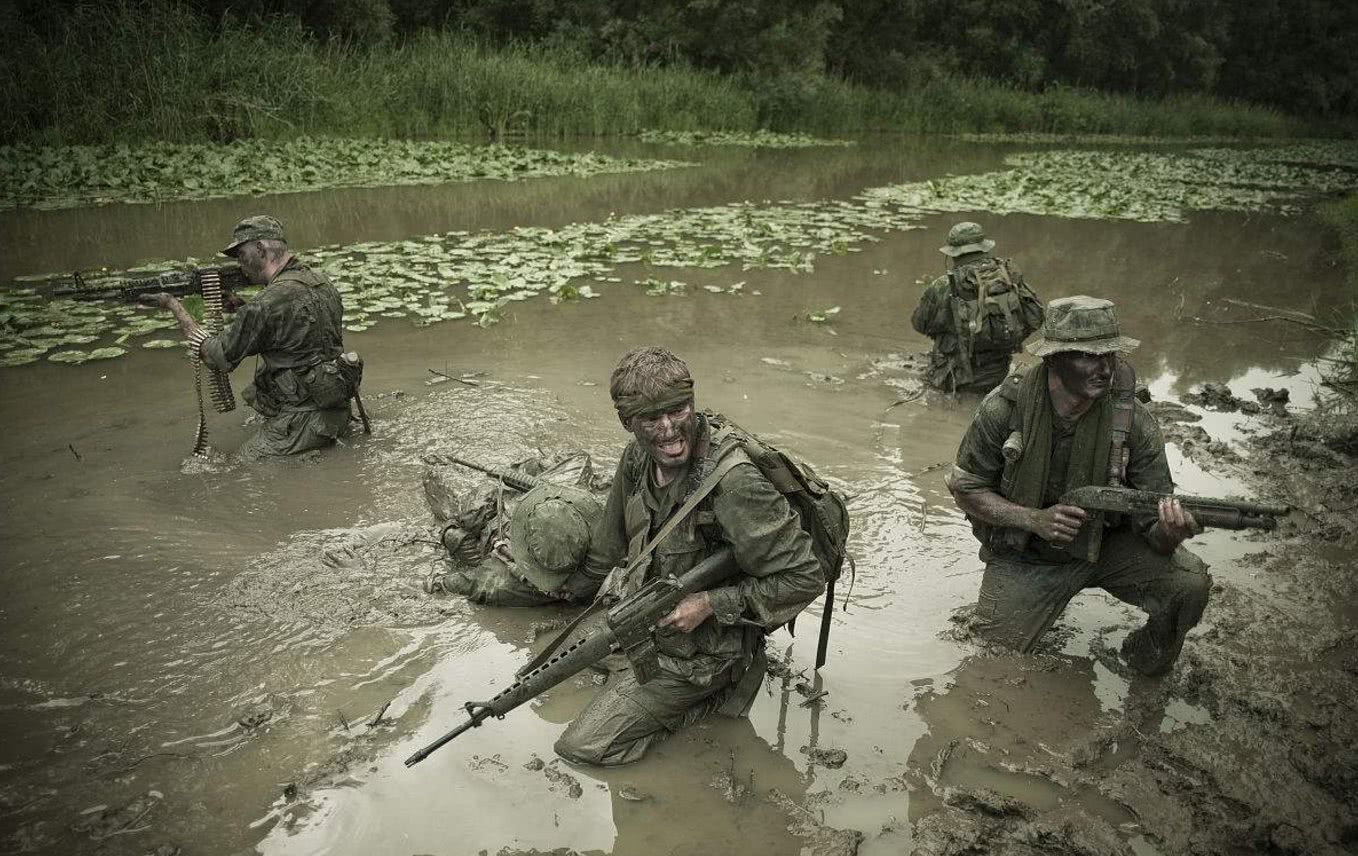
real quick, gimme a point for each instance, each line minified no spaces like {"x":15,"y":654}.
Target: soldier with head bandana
{"x":978,"y":314}
{"x":711,"y":647}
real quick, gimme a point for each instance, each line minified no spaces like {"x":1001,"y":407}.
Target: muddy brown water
{"x":153,"y":610}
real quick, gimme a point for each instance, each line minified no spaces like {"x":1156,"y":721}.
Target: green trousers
{"x":291,"y":433}
{"x":625,"y":719}
{"x":1019,"y":600}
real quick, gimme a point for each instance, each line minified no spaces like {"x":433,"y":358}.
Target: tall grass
{"x":134,"y":71}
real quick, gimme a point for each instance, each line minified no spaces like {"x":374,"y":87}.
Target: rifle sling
{"x":725,"y":462}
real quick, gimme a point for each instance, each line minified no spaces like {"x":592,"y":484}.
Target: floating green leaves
{"x":67,"y":176}
{"x":748,"y":139}
{"x":78,"y":357}
{"x":477,"y":276}
{"x":1142,"y":186}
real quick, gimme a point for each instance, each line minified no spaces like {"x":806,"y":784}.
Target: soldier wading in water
{"x":302,"y":384}
{"x":1068,"y":422}
{"x":978,"y":314}
{"x":711,"y":647}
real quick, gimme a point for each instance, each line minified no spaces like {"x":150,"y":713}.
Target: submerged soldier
{"x":302,"y":385}
{"x":1072,"y":421}
{"x":711,"y":647}
{"x":538,"y":559}
{"x":978,"y":314}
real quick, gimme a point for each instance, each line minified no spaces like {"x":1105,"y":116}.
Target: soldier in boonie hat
{"x":549,"y":534}
{"x":977,"y":314}
{"x":260,"y":227}
{"x":966,"y":237}
{"x":542,"y":562}
{"x":1086,"y":324}
{"x":1070,"y":421}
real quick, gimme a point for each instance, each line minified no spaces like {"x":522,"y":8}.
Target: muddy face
{"x":252,"y":262}
{"x":667,"y":436}
{"x":1085,"y":376}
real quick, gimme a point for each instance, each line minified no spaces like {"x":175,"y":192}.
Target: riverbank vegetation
{"x":216,"y":71}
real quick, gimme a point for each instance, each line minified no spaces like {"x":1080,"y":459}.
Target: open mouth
{"x":672,"y":448}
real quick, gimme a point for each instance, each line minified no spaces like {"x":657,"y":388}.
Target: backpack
{"x":993,"y":321}
{"x":819,"y":507}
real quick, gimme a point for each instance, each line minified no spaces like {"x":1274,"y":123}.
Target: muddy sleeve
{"x":930,"y":317}
{"x":242,"y":338}
{"x":980,"y":457}
{"x":608,"y":539}
{"x":1147,"y":464}
{"x":782,"y":574}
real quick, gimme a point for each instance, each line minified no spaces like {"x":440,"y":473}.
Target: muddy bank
{"x":1249,"y":745}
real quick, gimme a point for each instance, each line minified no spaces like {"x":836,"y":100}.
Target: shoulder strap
{"x":724,"y":465}
{"x":1124,"y":409}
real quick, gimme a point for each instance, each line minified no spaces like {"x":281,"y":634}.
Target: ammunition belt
{"x":219,"y":382}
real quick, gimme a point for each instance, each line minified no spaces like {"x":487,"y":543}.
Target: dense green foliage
{"x":130,"y":72}
{"x":1297,"y":55}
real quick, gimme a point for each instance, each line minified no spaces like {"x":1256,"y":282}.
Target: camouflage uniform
{"x":294,"y":325}
{"x":1028,"y":581}
{"x":974,"y":336}
{"x":720,"y":664}
{"x":540,"y":562}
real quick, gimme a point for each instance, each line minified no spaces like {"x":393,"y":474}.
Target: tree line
{"x":1296,"y":55}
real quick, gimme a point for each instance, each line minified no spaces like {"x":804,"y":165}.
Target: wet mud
{"x":235,"y":658}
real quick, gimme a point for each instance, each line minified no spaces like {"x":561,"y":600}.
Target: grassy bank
{"x":135,"y":72}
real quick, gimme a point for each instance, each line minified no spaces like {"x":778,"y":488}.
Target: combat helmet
{"x":549,"y":533}
{"x":966,"y":237}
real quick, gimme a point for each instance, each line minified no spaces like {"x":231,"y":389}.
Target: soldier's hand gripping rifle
{"x":177,"y":283}
{"x":1207,"y":511}
{"x":628,"y":627}
{"x":512,"y":478}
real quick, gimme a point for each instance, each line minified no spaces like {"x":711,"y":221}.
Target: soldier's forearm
{"x":992,"y":509}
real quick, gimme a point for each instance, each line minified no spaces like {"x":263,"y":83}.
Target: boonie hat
{"x":260,"y":227}
{"x":1080,"y":323}
{"x":967,"y":237}
{"x":549,"y":533}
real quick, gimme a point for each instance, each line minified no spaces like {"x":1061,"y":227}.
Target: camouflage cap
{"x":1080,"y":323}
{"x":966,"y":237}
{"x":260,"y":227}
{"x":549,"y":533}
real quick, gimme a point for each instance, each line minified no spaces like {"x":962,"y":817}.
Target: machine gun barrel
{"x":176,"y":282}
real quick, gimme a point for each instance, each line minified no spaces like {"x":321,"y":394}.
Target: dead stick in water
{"x":450,"y":377}
{"x":378,"y":718}
{"x":71,"y":446}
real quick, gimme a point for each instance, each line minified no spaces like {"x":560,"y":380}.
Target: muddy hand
{"x":162,"y":300}
{"x":691,"y":611}
{"x":1176,"y":521}
{"x":1059,"y":524}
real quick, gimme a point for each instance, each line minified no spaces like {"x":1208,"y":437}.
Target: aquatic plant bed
{"x":69,"y":176}
{"x":748,"y":139}
{"x":463,"y":275}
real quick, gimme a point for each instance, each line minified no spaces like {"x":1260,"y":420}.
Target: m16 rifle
{"x":512,"y":478}
{"x":176,"y":282}
{"x":628,"y":627}
{"x":1207,"y":511}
